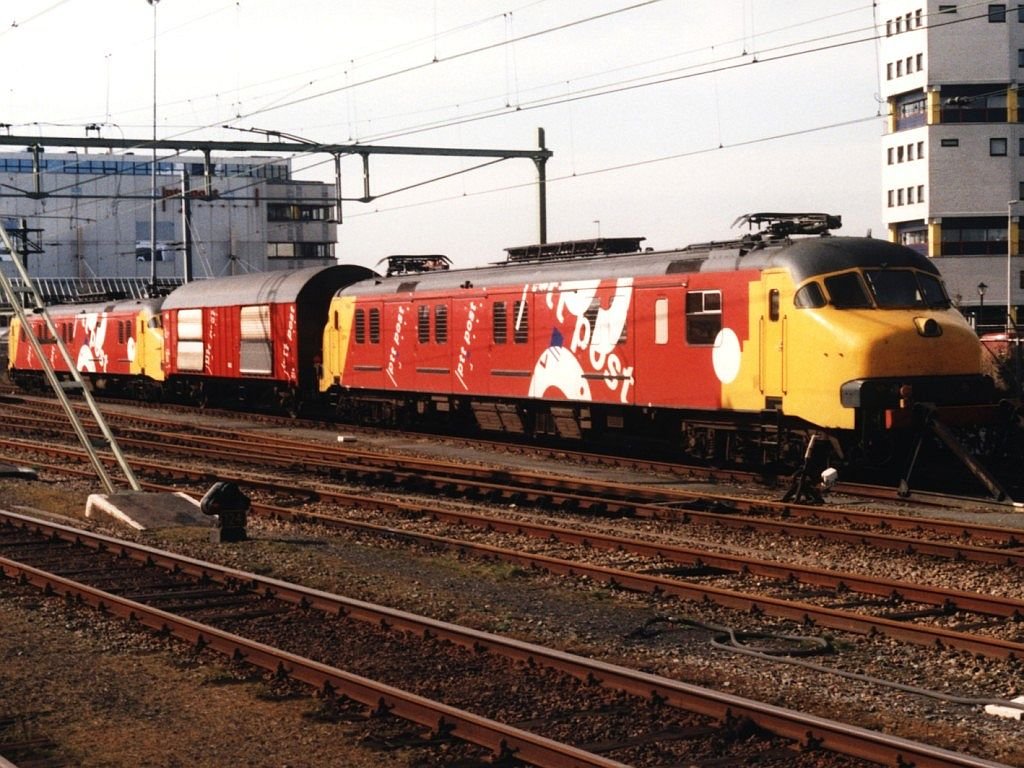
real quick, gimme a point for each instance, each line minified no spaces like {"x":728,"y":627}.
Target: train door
{"x":773,"y":340}
{"x":337,"y":336}
{"x":659,"y":341}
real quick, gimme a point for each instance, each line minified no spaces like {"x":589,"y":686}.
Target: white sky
{"x":690,"y":131}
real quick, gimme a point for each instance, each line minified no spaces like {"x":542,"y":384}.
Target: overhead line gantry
{"x":289,"y":145}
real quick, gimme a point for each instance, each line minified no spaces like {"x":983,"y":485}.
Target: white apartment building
{"x":953,"y":151}
{"x":87,"y":215}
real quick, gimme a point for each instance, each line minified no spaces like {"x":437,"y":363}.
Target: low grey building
{"x":87,"y":215}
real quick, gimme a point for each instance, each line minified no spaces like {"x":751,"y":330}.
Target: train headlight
{"x":928,"y":326}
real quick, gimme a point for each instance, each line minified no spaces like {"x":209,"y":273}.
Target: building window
{"x":888,"y":71}
{"x":910,"y":195}
{"x":997,"y":13}
{"x":997,"y":147}
{"x":919,"y":61}
{"x":899,"y":154}
{"x":292,"y":212}
{"x":950,"y":142}
{"x":889,"y":153}
{"x":911,"y":110}
{"x":920,"y":150}
{"x":974,"y":236}
{"x":899,"y":68}
{"x":947,"y":9}
{"x":300,"y":250}
{"x":920,"y":193}
{"x":973,"y":104}
{"x":917,"y":19}
{"x":890,"y":198}
{"x":899,"y":196}
{"x":910,"y":152}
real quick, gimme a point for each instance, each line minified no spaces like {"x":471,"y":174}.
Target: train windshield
{"x":847,"y":291}
{"x":906,"y":289}
{"x":886,"y":289}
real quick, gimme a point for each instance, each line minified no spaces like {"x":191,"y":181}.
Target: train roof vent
{"x":573,"y":249}
{"x":785,"y":224}
{"x":415,"y":264}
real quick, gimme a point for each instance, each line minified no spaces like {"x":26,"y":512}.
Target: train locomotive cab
{"x":874,"y":341}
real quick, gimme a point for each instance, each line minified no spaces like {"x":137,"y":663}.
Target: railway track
{"x":923,"y":600}
{"x":135,"y":580}
{"x":686,"y":472}
{"x":884,"y":530}
{"x":656,"y":566}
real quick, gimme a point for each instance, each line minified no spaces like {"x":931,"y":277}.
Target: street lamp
{"x":981,"y":299}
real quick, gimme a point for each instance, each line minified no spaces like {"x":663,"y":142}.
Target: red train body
{"x":254,"y":338}
{"x":741,"y":350}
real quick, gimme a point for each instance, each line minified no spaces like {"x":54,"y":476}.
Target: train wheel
{"x":201,"y":396}
{"x":289,"y":403}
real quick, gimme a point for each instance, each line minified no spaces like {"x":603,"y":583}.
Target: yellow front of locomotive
{"x":871,"y":337}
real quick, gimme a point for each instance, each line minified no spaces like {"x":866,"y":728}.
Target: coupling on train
{"x":740,"y":350}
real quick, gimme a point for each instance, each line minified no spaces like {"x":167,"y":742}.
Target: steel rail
{"x":807,"y":730}
{"x":501,"y":739}
{"x":638,"y":499}
{"x":975,"y":602}
{"x":804,"y":612}
{"x":411,"y":477}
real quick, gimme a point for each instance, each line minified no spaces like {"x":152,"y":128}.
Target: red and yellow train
{"x":735,"y":350}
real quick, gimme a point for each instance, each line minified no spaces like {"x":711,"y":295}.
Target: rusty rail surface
{"x":794,"y":610}
{"x":807,"y":730}
{"x":612,"y":497}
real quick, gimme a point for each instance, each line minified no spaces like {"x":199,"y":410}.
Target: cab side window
{"x":703,"y":316}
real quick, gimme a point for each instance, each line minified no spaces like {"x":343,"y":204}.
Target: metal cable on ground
{"x":727,"y":639}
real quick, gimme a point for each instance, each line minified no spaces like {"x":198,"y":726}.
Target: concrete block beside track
{"x":146,"y":511}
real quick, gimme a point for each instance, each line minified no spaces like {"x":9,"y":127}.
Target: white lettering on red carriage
{"x":288,"y":370}
{"x":592,"y":341}
{"x":396,"y":341}
{"x":467,"y":339}
{"x":211,"y":330}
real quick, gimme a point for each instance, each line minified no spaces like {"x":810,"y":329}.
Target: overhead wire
{"x":646,"y":81}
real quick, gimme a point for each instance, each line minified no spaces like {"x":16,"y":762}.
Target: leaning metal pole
{"x":27,"y":332}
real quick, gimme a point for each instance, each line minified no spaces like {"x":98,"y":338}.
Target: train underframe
{"x":903,"y":445}
{"x":919,"y":442}
{"x":765,"y":439}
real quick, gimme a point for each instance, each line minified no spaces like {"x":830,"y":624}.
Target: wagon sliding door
{"x":256,"y":356}
{"x":190,"y":340}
